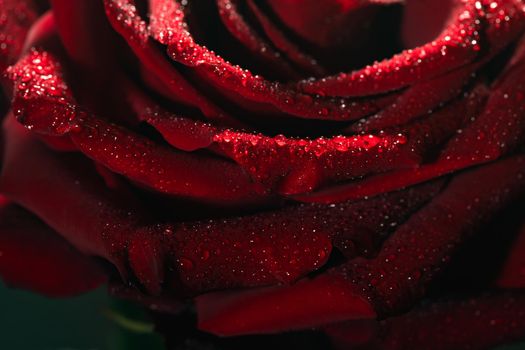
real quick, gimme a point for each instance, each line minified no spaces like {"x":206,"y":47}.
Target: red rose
{"x":272,"y":166}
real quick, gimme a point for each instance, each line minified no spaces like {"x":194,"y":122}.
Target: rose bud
{"x":268,"y":171}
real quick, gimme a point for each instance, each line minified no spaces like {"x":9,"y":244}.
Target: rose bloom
{"x":312,"y":174}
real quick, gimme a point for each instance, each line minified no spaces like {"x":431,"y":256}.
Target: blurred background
{"x":92,"y":321}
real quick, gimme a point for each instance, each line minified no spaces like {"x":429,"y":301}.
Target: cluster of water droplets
{"x":43,"y":99}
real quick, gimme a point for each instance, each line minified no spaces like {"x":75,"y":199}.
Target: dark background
{"x":89,"y":322}
{"x":93,"y":321}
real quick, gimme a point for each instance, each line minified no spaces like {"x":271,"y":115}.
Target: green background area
{"x":29,"y":321}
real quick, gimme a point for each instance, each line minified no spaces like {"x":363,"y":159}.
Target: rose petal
{"x":495,"y":132}
{"x":127,"y":23}
{"x":237,"y":253}
{"x":287,"y":243}
{"x":242,"y":31}
{"x":68,"y":196}
{"x":276,"y":309}
{"x":33,"y":257}
{"x":165,"y":170}
{"x":477,"y":323}
{"x":76,"y":203}
{"x":72,"y":199}
{"x":292,"y":165}
{"x":44,"y":104}
{"x":168,"y":27}
{"x":423,"y":21}
{"x":341,"y":34}
{"x":300,"y":165}
{"x":459,"y":44}
{"x":17,"y":17}
{"x":278,"y":38}
{"x":420,"y":248}
{"x":95,"y":49}
{"x":420,"y":99}
{"x":513,"y":270}
{"x":388,"y":283}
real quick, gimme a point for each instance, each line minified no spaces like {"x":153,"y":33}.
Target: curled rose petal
{"x":278,"y":38}
{"x":292,"y":165}
{"x":332,"y":23}
{"x":241,"y":30}
{"x":72,"y":199}
{"x":496,"y":131}
{"x":201,"y":177}
{"x":300,"y":165}
{"x":458,"y":45}
{"x":388,"y":283}
{"x":44,"y":104}
{"x":477,"y":323}
{"x":512,"y":273}
{"x":288,"y":243}
{"x":277,"y":309}
{"x":135,"y":31}
{"x":418,"y":100}
{"x":16,"y":18}
{"x":168,"y":27}
{"x":331,"y":168}
{"x":33,"y":257}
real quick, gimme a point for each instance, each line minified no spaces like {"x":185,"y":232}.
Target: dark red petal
{"x":419,"y":249}
{"x":246,"y":252}
{"x":16,"y":18}
{"x":93,"y":54}
{"x":327,"y":23}
{"x":168,"y":27}
{"x":77,"y":204}
{"x":124,"y":18}
{"x":303,"y":305}
{"x":34,"y":257}
{"x":358,"y":228}
{"x":286,"y":244}
{"x":390,"y":282}
{"x":42,"y":100}
{"x":420,"y":99}
{"x":476,"y":323}
{"x":278,"y":38}
{"x":72,"y":199}
{"x":512,"y":273}
{"x":68,"y":195}
{"x":499,"y":128}
{"x":44,"y":104}
{"x":300,"y":165}
{"x":163,"y":169}
{"x":459,"y":44}
{"x":495,"y":132}
{"x":146,"y":259}
{"x":93,"y":48}
{"x":292,"y":165}
{"x":242,"y":252}
{"x":242,"y":31}
{"x":455,"y":47}
{"x":424,"y":20}
{"x":305,"y":164}
{"x":182,"y":133}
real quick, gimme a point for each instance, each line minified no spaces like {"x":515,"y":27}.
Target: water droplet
{"x":186,"y":264}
